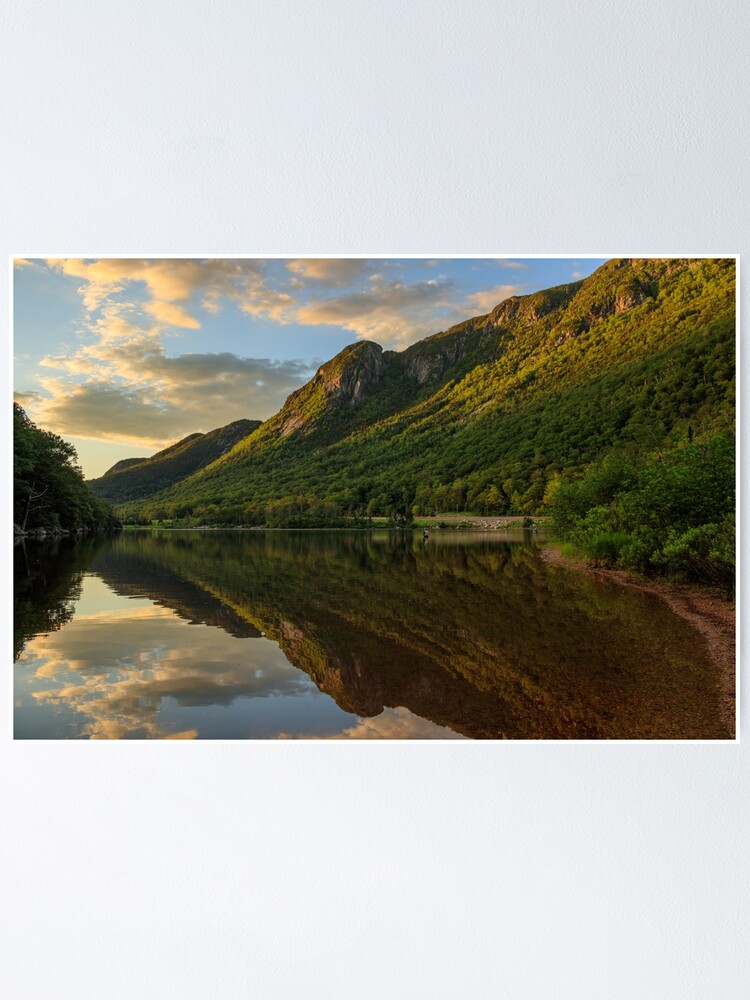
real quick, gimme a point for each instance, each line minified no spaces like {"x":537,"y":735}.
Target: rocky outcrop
{"x":54,"y":532}
{"x":429,"y":362}
{"x":353,"y":372}
{"x":345,"y":380}
{"x":531,"y":308}
{"x":630,"y":295}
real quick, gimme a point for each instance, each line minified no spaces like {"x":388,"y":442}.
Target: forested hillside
{"x":494,"y":415}
{"x":134,"y":478}
{"x":49,"y":492}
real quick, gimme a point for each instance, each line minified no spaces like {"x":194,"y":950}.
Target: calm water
{"x":258,"y":635}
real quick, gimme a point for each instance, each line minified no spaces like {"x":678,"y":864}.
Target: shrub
{"x":705,"y":553}
{"x":600,"y":537}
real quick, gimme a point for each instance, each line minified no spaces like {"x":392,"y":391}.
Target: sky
{"x":124,"y":356}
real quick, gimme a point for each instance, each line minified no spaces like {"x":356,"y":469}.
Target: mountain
{"x":492,"y":413}
{"x":135,"y":478}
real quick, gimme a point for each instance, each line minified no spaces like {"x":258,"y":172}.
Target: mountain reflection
{"x":392,"y":638}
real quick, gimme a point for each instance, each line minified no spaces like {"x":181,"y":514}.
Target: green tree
{"x":48,"y":487}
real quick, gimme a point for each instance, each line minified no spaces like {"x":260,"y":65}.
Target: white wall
{"x":446,"y":871}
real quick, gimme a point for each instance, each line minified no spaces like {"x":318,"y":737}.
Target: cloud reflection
{"x":120,"y":669}
{"x":391,"y":724}
{"x":125,"y":668}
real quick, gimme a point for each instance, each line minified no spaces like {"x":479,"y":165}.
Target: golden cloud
{"x":267,"y":302}
{"x":484,"y":302}
{"x":172,"y":315}
{"x":167,"y":280}
{"x":328,"y":270}
{"x":124,"y":387}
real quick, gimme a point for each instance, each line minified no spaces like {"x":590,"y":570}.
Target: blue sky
{"x":125,"y":356}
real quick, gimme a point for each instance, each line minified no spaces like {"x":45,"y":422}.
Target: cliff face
{"x":429,"y":360}
{"x":353,"y":373}
{"x":482,"y":338}
{"x":344,"y":381}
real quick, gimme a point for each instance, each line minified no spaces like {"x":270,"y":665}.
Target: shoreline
{"x":712,"y":615}
{"x":451,"y":522}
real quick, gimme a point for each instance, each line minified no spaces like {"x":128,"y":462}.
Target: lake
{"x":344,"y":635}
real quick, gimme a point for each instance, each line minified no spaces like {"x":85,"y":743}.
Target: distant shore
{"x":711,"y":614}
{"x":469,"y":521}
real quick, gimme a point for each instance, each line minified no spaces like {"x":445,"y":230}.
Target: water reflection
{"x":333,"y":635}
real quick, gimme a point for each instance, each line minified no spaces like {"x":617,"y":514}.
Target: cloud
{"x":485,"y":301}
{"x":394,"y":312}
{"x":269,"y":303}
{"x":172,"y":314}
{"x":517,"y":265}
{"x":26,"y":399}
{"x":397,"y":314}
{"x":145,"y":398}
{"x":328,"y":270}
{"x":398,"y":724}
{"x":173,"y":285}
{"x":576,"y":275}
{"x":167,"y":281}
{"x":21,"y":262}
{"x":105,"y":412}
{"x":391,"y":312}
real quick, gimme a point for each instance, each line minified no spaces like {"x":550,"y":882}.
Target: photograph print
{"x":374,"y":498}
